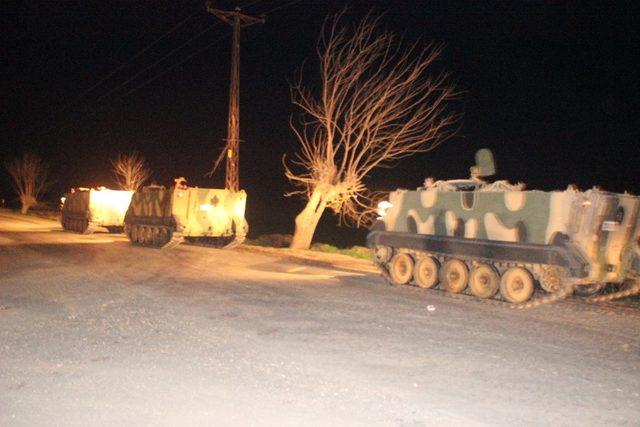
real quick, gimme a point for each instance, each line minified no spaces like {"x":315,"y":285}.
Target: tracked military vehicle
{"x":164,"y":217}
{"x":84,"y":209}
{"x":497,"y":240}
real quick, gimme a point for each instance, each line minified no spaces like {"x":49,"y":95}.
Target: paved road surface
{"x":94,"y":331}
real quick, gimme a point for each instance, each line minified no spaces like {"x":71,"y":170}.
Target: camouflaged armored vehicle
{"x":164,"y":217}
{"x":491,"y":239}
{"x":84,"y":209}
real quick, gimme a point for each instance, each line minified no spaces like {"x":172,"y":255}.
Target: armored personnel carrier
{"x":164,"y":217}
{"x":498,"y":240}
{"x":84,"y":209}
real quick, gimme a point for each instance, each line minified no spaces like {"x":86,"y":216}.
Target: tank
{"x":84,"y":209}
{"x":501,"y":241}
{"x":164,"y":217}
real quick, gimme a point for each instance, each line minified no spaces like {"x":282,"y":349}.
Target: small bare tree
{"x":130,"y":171}
{"x":377,"y":105}
{"x":30,"y":179}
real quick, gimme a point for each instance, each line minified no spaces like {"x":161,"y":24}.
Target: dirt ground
{"x":94,"y":331}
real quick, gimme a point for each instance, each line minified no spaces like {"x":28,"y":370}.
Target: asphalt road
{"x":94,"y":331}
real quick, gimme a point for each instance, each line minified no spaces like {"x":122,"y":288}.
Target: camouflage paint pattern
{"x":100,"y":206}
{"x":194,"y":212}
{"x":604,"y":226}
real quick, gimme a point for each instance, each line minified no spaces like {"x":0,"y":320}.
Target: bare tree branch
{"x":130,"y":171}
{"x":378,"y":105}
{"x":30,"y":179}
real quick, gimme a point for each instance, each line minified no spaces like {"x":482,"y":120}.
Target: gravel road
{"x":94,"y":331}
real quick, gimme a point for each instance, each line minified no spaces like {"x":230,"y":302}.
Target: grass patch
{"x":284,"y":240}
{"x":46,"y":214}
{"x":354,"y":251}
{"x":270,"y":240}
{"x":51,"y":214}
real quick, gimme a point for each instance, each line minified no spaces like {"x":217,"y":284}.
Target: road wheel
{"x":127,"y":231}
{"x":552,"y":278}
{"x":142,"y":235}
{"x":382,"y":254}
{"x":454,"y":276}
{"x":156,"y":241}
{"x":147,"y":235}
{"x":135,"y":234}
{"x":401,"y":269}
{"x":84,"y":226}
{"x":425,"y":272}
{"x":165,"y":236}
{"x":484,"y":281}
{"x":516,"y":285}
{"x":589,"y":290}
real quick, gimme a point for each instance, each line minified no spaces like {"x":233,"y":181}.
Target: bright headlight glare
{"x":240,"y":204}
{"x":383,"y":206}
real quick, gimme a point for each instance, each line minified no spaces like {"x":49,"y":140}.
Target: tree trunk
{"x":307,"y":221}
{"x":26,"y":202}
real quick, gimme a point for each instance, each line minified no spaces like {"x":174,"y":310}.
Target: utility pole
{"x":237,"y":20}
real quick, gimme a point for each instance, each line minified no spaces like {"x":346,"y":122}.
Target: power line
{"x":251,"y":4}
{"x":172,"y":66}
{"x":166,"y":70}
{"x":115,"y":70}
{"x":137,"y":55}
{"x":282,"y":6}
{"x":174,"y":50}
{"x":163,"y":72}
{"x":166,"y":56}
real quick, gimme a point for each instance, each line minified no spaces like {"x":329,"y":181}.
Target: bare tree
{"x":377,"y":105}
{"x":130,"y":171}
{"x":30,"y":179}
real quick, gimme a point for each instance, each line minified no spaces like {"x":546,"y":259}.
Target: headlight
{"x":383,"y":206}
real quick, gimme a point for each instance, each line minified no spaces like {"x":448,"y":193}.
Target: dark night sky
{"x":551,"y":87}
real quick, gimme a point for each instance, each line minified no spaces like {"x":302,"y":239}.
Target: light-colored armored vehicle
{"x":164,"y":217}
{"x":84,"y":209}
{"x":491,"y":239}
